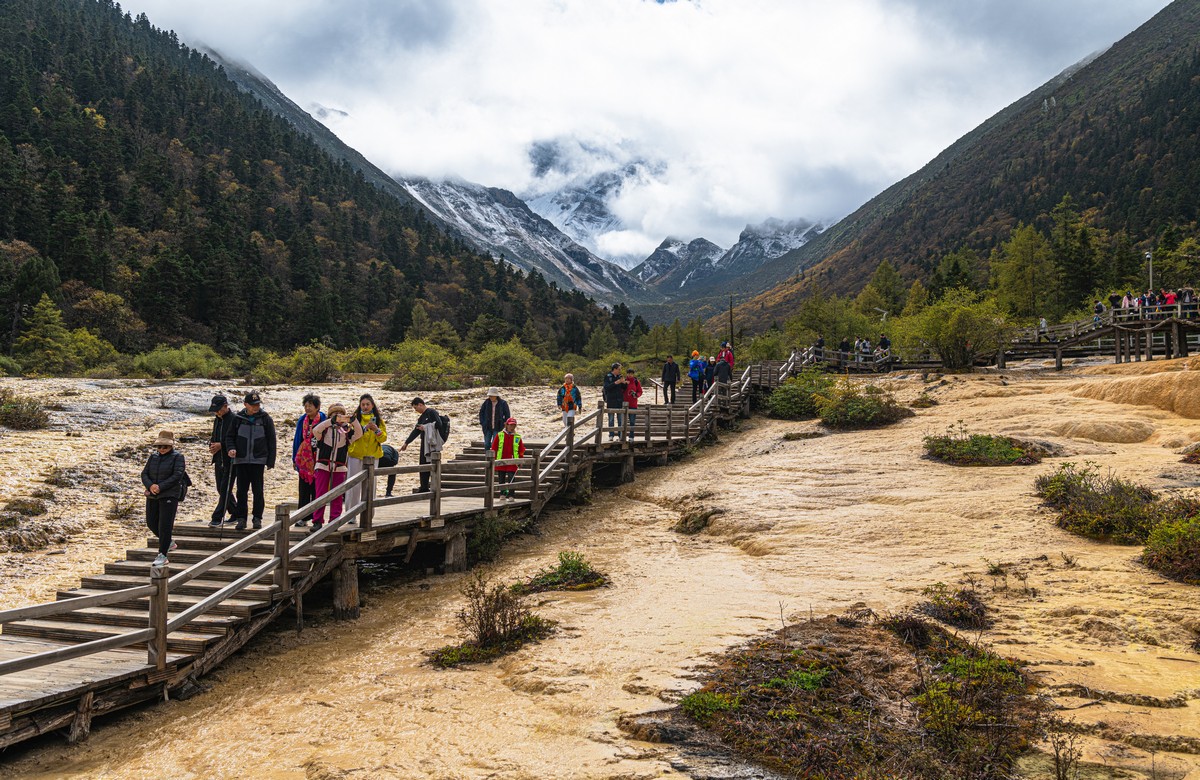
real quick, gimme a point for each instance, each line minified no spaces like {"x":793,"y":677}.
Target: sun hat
{"x":493,"y":391}
{"x":165,"y":439}
{"x":336,"y":409}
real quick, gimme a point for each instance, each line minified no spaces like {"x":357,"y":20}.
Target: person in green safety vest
{"x":507,"y":445}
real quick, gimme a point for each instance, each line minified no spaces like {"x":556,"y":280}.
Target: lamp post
{"x":1150,"y":260}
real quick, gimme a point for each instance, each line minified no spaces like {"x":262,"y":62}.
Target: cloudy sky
{"x":745,"y":109}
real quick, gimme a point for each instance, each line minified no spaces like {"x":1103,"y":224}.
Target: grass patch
{"x":1191,"y":457}
{"x":1173,"y":549}
{"x":923,"y":401}
{"x":497,"y":622}
{"x":961,"y":608}
{"x":122,"y":509}
{"x":693,"y":521}
{"x":58,"y":477}
{"x":573,"y":572}
{"x":1106,"y":507}
{"x":26,"y":507}
{"x":836,"y":701}
{"x":488,"y":535}
{"x":960,"y":448}
{"x":21,"y":412}
{"x":795,"y":399}
{"x":802,"y":435}
{"x":848,"y":405}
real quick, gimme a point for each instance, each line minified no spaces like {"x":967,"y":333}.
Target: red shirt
{"x":514,"y":447}
{"x":726,"y":355}
{"x":633,"y":389}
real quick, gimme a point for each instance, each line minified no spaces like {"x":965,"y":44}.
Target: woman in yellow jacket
{"x":374,"y":434}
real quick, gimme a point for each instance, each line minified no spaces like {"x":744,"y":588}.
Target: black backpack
{"x":443,"y":426}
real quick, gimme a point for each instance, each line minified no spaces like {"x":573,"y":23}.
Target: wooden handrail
{"x":76,"y":651}
{"x":49,"y":608}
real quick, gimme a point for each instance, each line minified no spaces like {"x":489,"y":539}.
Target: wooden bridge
{"x":137,"y":633}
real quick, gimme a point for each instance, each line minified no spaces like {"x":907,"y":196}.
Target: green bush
{"x":21,"y":412}
{"x":510,"y":364}
{"x":369,"y":360}
{"x":1173,"y":548}
{"x":572,"y":573}
{"x":959,"y":448}
{"x":9,"y":367}
{"x":1103,"y":507}
{"x":497,"y":620}
{"x":796,"y":399}
{"x":309,"y":364}
{"x":960,"y":608}
{"x":189,"y":360}
{"x":848,"y":404}
{"x":703,"y":705}
{"x":423,"y":365}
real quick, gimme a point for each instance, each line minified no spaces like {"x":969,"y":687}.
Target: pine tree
{"x":44,"y":346}
{"x":602,"y":342}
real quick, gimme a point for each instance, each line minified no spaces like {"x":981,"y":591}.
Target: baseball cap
{"x":217,"y":402}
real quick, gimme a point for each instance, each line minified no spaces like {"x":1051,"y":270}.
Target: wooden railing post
{"x":435,"y":486}
{"x":624,"y":425}
{"x":537,"y":467}
{"x":600,"y":425}
{"x":670,"y":419}
{"x":489,"y":481}
{"x":156,"y":648}
{"x":283,"y":544}
{"x":368,"y":494}
{"x":570,"y":438}
{"x":649,"y":411}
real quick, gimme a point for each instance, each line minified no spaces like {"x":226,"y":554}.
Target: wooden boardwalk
{"x":135,"y":633}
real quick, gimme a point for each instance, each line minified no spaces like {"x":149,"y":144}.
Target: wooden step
{"x":182,"y":559}
{"x":238,"y":606}
{"x":203,"y":530}
{"x":140,"y":570}
{"x":186,"y":541}
{"x":177,"y":641}
{"x":201,"y":587}
{"x":136,"y":618}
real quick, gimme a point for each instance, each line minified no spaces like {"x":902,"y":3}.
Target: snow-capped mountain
{"x":675,"y":262}
{"x":770,"y":239}
{"x":499,"y":222}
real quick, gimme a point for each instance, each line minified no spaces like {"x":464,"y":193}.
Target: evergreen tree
{"x":44,"y":346}
{"x":602,"y":342}
{"x":1024,"y":277}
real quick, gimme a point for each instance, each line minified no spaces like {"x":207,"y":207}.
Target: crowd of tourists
{"x":329,"y":446}
{"x":861,"y":351}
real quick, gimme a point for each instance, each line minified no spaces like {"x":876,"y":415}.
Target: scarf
{"x":568,"y":402}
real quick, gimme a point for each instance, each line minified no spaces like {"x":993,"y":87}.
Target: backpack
{"x":184,"y":484}
{"x":443,"y":426}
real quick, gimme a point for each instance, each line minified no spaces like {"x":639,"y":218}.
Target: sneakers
{"x":257,"y":523}
{"x":316,"y":526}
{"x":173,"y":546}
{"x":160,"y":561}
{"x":241,"y":524}
{"x":301,"y":523}
{"x":216,"y":523}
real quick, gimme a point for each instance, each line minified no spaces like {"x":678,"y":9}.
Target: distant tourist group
{"x":329,"y":448}
{"x":861,"y":351}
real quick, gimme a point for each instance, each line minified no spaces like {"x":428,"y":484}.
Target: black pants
{"x":504,"y":477}
{"x":224,"y":480}
{"x":308,"y":494}
{"x":668,"y":392}
{"x":391,"y":483}
{"x":697,"y":389}
{"x":424,"y":474}
{"x":249,"y":475}
{"x":160,"y":519}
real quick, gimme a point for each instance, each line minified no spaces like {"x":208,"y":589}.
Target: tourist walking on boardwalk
{"x":819,"y":347}
{"x":710,"y":369}
{"x":726,"y":353}
{"x":507,"y":446}
{"x":164,"y":478}
{"x":492,"y":414}
{"x":391,"y":457}
{"x":569,"y":399}
{"x":222,"y":469}
{"x":633,"y":391}
{"x":250,"y":443}
{"x":426,"y":428}
{"x":723,"y":371}
{"x":614,"y":395}
{"x":696,"y":374}
{"x":843,"y":350}
{"x":369,"y":445}
{"x":334,"y":437}
{"x":304,"y":458}
{"x":670,"y":378}
{"x":1043,"y":330}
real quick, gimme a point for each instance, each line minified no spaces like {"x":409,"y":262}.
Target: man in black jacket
{"x":250,"y":443}
{"x":425,"y":416}
{"x":614,"y":395}
{"x":670,"y":378}
{"x":222,"y":469}
{"x":722,"y":372}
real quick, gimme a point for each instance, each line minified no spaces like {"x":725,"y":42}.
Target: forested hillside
{"x":1120,"y":137}
{"x":153,"y":202}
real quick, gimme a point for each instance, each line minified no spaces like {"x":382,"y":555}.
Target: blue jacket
{"x":485,"y":414}
{"x":696,"y":369}
{"x":299,"y":437}
{"x":562,"y":391}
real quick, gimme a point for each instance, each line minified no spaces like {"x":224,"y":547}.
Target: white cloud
{"x":757,"y":108}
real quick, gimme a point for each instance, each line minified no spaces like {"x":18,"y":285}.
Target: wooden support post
{"x":368,"y":494}
{"x":627,"y":469}
{"x":535,"y":491}
{"x":1136,"y":338}
{"x":283,"y":545}
{"x":435,"y":488}
{"x":156,"y":648}
{"x":1000,"y":363}
{"x":1058,"y":359}
{"x":455,"y":558}
{"x":345,"y":590}
{"x":81,"y":725}
{"x":1149,"y":345}
{"x":1173,"y":349}
{"x":670,"y":421}
{"x":489,"y":481}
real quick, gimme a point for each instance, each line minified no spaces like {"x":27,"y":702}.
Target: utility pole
{"x":731,"y":321}
{"x":1150,"y":260}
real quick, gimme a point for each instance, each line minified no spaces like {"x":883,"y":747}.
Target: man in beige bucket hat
{"x":492,"y":414}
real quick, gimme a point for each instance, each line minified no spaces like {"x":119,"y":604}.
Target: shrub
{"x":1173,"y":548}
{"x":369,"y":360}
{"x":1104,"y":507}
{"x":848,"y":404}
{"x":978,"y":449}
{"x":510,"y":364}
{"x":21,"y":412}
{"x":189,"y":360}
{"x":703,"y":705}
{"x":572,"y":573}
{"x":795,"y":399}
{"x":496,"y":619}
{"x":961,"y":609}
{"x":423,"y":365}
{"x":26,"y":507}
